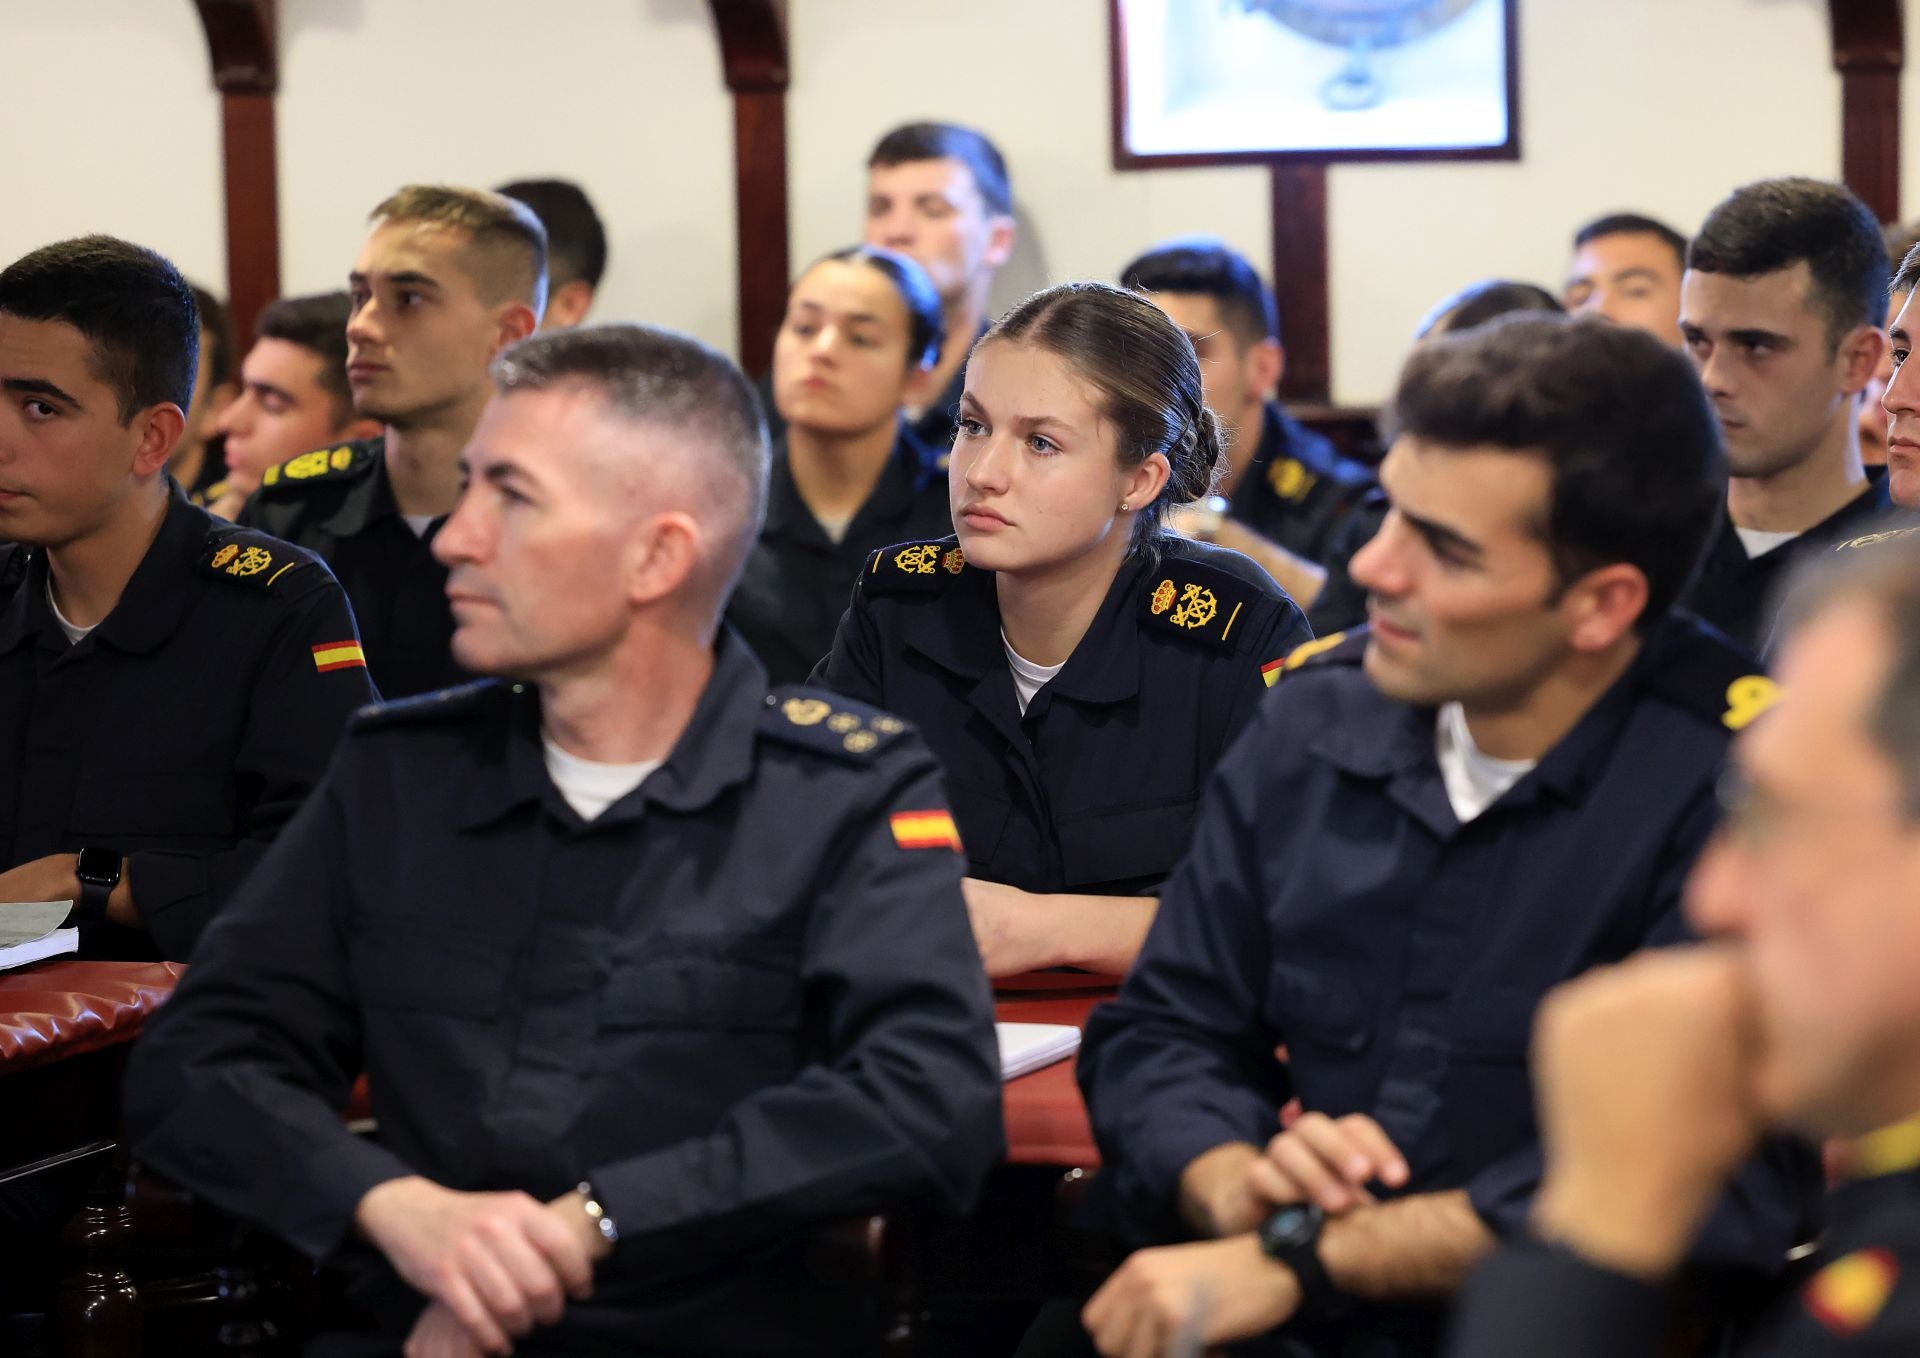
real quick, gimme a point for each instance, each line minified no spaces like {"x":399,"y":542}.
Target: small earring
{"x":1125,"y":506}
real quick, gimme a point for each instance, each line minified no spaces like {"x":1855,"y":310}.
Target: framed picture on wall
{"x":1213,"y":82}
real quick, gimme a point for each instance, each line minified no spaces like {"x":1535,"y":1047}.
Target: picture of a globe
{"x":1362,"y":27}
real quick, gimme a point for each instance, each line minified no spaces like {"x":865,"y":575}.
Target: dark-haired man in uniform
{"x":651,"y":970}
{"x":171,"y":687}
{"x":446,"y":278}
{"x":1499,"y":784}
{"x":1293,"y":503}
{"x":1657,"y":1075}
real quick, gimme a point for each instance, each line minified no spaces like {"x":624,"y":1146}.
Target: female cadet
{"x":1077,"y":669}
{"x":862,"y":332}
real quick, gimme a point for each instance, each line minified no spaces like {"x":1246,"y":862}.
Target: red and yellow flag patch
{"x":1271,"y":670}
{"x":338,"y":655}
{"x":925,"y":830}
{"x":1848,"y":1295}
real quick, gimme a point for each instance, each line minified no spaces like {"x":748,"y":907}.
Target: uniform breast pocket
{"x":703,"y":993}
{"x":1131,"y":844}
{"x":432,"y":974}
{"x":130,"y":809}
{"x":982,"y":819}
{"x":1313,"y":1008}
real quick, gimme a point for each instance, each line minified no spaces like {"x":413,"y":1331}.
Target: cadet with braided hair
{"x":1077,"y":667}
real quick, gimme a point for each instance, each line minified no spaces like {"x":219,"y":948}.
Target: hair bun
{"x":1197,"y":459}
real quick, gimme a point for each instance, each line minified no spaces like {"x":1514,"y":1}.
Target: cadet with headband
{"x":1076,"y":668}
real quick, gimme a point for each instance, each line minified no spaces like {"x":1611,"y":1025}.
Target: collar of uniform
{"x":908,"y":470}
{"x":154,"y":601}
{"x":1105,"y":666}
{"x":367,"y":500}
{"x":25,"y":611}
{"x":714,"y":753}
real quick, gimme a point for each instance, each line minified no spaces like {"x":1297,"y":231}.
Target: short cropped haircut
{"x":1628,"y":435}
{"x":135,"y":310}
{"x":576,"y":238}
{"x":506,"y":245}
{"x":664,"y":379}
{"x":1206,"y":266}
{"x":1633,"y":224}
{"x":1886,"y":575}
{"x":317,"y":323}
{"x":926,"y":318}
{"x":217,"y":326}
{"x":950,"y":141}
{"x":1771,"y":225}
{"x":1478,"y":303}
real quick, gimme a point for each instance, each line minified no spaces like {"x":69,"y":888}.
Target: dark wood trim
{"x":242,"y":43}
{"x":753,"y":55}
{"x":1869,"y":49}
{"x":1125,"y":159}
{"x":1300,"y":280}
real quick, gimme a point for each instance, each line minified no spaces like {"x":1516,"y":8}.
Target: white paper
{"x":1026,"y":1047}
{"x":25,"y":921}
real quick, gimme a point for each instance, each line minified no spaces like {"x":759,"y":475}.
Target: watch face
{"x":1292,"y":1225}
{"x":98,"y":867}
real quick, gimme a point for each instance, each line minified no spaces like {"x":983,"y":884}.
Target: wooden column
{"x":1869,"y":48}
{"x":1300,"y":279}
{"x":753,"y":54}
{"x":241,"y":41}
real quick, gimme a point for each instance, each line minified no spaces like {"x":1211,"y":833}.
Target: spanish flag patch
{"x":338,"y":655}
{"x":1848,"y":1295}
{"x":1271,"y":670}
{"x":925,"y":830}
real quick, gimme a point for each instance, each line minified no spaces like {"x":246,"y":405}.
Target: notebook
{"x":30,"y":931}
{"x":1028,"y":1046}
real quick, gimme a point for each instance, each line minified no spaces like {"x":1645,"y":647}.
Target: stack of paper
{"x":1029,"y":1046}
{"x":30,"y":931}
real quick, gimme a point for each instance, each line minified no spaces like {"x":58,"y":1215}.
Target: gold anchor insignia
{"x":917,"y":560}
{"x":1197,"y":607}
{"x":1289,"y":479}
{"x":1162,"y":597}
{"x":252,"y":561}
{"x":805,"y":711}
{"x":224,"y":555}
{"x":843,"y":722}
{"x":954,"y":560}
{"x":861,"y":741}
{"x":1748,"y":698}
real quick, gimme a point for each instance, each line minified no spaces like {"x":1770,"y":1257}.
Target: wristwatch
{"x":590,"y":1204}
{"x":1202,"y":520}
{"x":1291,"y":1236}
{"x":99,"y":873}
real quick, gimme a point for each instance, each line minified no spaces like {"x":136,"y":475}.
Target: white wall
{"x":108,"y":122}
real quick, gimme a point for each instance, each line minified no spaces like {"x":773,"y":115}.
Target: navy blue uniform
{"x":1333,"y":903}
{"x":797,"y":579}
{"x":1094,"y":789}
{"x":742,"y":1000}
{"x":1858,"y":1296}
{"x":182,"y":732}
{"x":338,"y":503}
{"x":1300,"y":494}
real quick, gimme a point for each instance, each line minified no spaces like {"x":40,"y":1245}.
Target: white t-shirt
{"x":1474,"y":781}
{"x":419,"y":523}
{"x":1758,"y":542}
{"x":1028,"y":678}
{"x":591,"y":787}
{"x":60,"y":619}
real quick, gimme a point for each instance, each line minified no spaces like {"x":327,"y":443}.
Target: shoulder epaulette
{"x":815,"y":719}
{"x":1702,"y":672}
{"x":448,"y":704}
{"x":913,"y":567}
{"x":1336,"y":648}
{"x":1874,"y":539}
{"x":347,"y":462}
{"x":242,"y":556}
{"x":1200,"y":602}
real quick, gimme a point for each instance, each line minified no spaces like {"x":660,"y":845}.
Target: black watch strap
{"x":1291,"y":1236}
{"x":98,"y":872}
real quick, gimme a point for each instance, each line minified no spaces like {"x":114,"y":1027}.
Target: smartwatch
{"x":99,"y":873}
{"x":1291,"y":1236}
